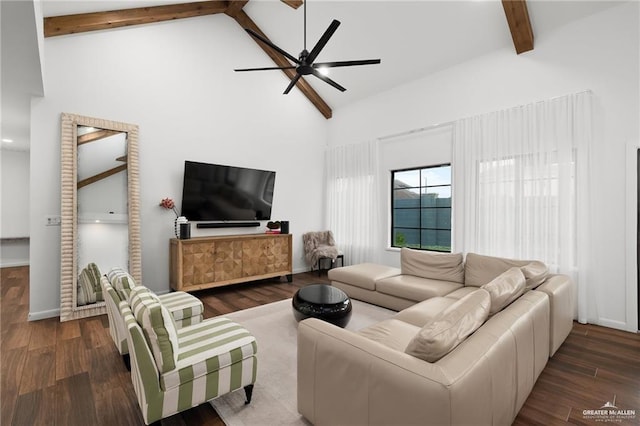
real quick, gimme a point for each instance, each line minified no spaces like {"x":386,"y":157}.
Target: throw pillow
{"x":158,"y":327}
{"x":433,"y":265}
{"x":535,"y":273}
{"x":122,"y":281}
{"x":480,"y":269}
{"x":505,"y":288}
{"x":450,"y":327}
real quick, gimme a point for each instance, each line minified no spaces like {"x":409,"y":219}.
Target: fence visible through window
{"x":421,"y":208}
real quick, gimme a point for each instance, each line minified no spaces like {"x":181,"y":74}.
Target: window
{"x":421,"y":208}
{"x":538,"y":193}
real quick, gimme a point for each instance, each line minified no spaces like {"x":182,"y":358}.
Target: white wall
{"x":600,"y":53}
{"x":14,"y":208}
{"x":176,"y":81}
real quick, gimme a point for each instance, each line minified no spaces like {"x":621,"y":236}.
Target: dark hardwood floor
{"x":70,"y":373}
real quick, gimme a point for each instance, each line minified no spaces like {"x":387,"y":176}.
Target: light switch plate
{"x":53,"y":221}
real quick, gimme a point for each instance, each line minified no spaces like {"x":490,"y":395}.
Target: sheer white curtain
{"x":352,"y":199}
{"x":521,"y":187}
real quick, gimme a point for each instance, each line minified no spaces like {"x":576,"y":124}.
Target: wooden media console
{"x":206,"y":262}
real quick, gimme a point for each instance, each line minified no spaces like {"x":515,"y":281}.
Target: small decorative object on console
{"x":168,"y":203}
{"x":273,"y":227}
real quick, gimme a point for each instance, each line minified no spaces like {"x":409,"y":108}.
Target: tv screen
{"x":217,"y":192}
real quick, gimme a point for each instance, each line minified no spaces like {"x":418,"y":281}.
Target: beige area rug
{"x":274,"y":395}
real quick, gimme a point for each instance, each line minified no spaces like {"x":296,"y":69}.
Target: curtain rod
{"x":451,"y":123}
{"x":418,"y":130}
{"x":535,"y":102}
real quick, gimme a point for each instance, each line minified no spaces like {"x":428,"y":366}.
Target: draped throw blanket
{"x":318,"y":245}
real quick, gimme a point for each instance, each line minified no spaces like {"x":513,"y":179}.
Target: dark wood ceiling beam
{"x":519,"y":24}
{"x":293,"y":3}
{"x":70,"y":24}
{"x":246,"y":22}
{"x":100,"y":176}
{"x":83,"y":22}
{"x":235,"y":6}
{"x":96,"y":136}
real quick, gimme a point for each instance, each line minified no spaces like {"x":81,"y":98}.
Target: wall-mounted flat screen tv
{"x":221,"y":193}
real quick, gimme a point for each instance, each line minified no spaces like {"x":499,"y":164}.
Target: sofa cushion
{"x":433,"y":265}
{"x":208,"y":346}
{"x":364,"y":275}
{"x":392,"y":333}
{"x":423,"y":312}
{"x":157,"y":325}
{"x":461,"y":292}
{"x":480,"y":269}
{"x":415,"y":288}
{"x":122,"y":281}
{"x":451,"y":327}
{"x":505,"y":288}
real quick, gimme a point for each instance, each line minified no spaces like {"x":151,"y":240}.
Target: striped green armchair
{"x":174,"y":369}
{"x":116,"y":286}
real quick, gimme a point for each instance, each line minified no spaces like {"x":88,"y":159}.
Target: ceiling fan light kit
{"x":305,"y":62}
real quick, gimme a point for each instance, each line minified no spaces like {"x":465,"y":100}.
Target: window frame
{"x":421,"y":208}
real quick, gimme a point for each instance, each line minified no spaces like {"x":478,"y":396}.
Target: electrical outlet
{"x":53,"y":220}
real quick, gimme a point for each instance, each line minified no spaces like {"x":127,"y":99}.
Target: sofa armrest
{"x":560,"y":289}
{"x":345,"y":378}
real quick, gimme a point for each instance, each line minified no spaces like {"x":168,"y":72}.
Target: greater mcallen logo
{"x":609,"y":413}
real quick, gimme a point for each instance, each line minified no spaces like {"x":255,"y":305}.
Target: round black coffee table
{"x":324,"y":302}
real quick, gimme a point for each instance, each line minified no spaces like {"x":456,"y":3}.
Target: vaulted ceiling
{"x":413,"y":38}
{"x":516,"y":14}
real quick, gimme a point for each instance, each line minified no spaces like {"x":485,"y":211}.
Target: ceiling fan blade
{"x":346,"y":63}
{"x":327,"y":80}
{"x":323,"y":41}
{"x":271,"y":45}
{"x":266,"y":68}
{"x":294,"y":80}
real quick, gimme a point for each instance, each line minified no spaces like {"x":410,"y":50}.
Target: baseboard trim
{"x":35,"y":316}
{"x":14,"y":264}
{"x":620,"y":325}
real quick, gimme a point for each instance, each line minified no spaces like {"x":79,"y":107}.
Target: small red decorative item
{"x":168,"y":203}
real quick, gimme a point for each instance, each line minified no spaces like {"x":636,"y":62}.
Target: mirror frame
{"x":69,"y":212}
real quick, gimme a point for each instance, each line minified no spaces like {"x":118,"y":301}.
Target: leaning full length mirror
{"x":100,"y":210}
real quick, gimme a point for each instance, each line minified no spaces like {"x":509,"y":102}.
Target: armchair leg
{"x":248,"y":391}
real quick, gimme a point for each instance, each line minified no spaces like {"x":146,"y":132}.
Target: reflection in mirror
{"x":100,"y":226}
{"x":103,"y":233}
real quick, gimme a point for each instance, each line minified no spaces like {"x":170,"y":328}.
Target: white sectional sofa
{"x":467,"y":346}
